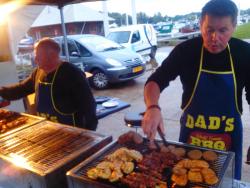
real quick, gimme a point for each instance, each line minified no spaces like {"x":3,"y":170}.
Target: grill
{"x":77,"y":177}
{"x":45,"y":152}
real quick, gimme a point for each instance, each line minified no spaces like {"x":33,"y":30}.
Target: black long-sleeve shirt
{"x":184,"y":61}
{"x":71,"y":93}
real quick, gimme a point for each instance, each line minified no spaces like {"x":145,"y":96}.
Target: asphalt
{"x":170,"y":101}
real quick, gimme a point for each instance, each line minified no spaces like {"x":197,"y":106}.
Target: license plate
{"x":137,"y":69}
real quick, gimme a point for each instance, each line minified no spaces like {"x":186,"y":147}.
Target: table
{"x":103,"y":112}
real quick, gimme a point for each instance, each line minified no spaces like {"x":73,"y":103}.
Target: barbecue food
{"x":196,"y":171}
{"x":209,"y":156}
{"x":171,"y":147}
{"x":115,"y":175}
{"x":10,"y":120}
{"x":150,"y":170}
{"x":195,"y":154}
{"x":125,"y":154}
{"x":195,"y":176}
{"x":160,"y":165}
{"x":179,"y":152}
{"x":180,"y":180}
{"x":142,"y":180}
{"x":92,"y":173}
{"x":154,"y":163}
{"x":130,"y":136}
{"x":127,"y":167}
{"x":115,"y":165}
{"x":209,"y":176}
{"x":164,"y":149}
{"x":179,"y":171}
{"x":152,"y":145}
{"x":104,"y":173}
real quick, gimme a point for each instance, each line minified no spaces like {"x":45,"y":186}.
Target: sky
{"x":165,"y":7}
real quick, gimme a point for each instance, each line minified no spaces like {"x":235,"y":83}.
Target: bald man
{"x":62,"y":92}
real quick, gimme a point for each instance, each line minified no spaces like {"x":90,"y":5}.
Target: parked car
{"x":26,"y":45}
{"x":141,"y":38}
{"x":108,"y":61}
{"x":189,"y":28}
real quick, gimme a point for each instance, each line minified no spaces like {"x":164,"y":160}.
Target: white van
{"x":141,"y":38}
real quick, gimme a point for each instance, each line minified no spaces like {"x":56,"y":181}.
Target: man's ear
{"x":235,"y":25}
{"x":201,"y":21}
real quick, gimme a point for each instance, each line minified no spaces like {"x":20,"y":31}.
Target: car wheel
{"x":99,"y":80}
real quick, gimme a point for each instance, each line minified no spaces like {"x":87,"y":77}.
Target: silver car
{"x":108,"y":61}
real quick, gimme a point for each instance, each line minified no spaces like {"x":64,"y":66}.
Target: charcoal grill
{"x":43,"y":153}
{"x":77,"y":177}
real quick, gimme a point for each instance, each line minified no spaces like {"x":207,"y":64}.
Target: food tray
{"x":77,"y":177}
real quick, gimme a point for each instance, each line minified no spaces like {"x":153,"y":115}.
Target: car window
{"x":119,"y":36}
{"x":83,"y":51}
{"x":72,"y":47}
{"x":99,"y":44}
{"x":135,"y":37}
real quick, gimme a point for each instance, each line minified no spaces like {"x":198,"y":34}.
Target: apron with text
{"x":211,"y":117}
{"x":46,"y":105}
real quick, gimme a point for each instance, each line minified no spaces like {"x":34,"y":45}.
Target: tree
{"x":120,"y":19}
{"x":142,"y":18}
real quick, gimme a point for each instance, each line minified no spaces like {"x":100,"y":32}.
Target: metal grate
{"x":80,"y":172}
{"x":44,"y":145}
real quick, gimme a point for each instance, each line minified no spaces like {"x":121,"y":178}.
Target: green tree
{"x":142,"y":18}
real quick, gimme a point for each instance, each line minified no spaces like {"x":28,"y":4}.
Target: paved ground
{"x":132,"y":92}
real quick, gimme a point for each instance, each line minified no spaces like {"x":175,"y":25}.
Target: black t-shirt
{"x":71,"y":93}
{"x":184,"y":61}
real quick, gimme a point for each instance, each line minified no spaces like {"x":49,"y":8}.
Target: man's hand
{"x":151,"y":120}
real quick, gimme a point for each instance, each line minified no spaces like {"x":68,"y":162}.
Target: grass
{"x":242,"y":31}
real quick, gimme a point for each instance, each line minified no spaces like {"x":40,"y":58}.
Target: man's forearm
{"x":151,"y":93}
{"x":18,"y":90}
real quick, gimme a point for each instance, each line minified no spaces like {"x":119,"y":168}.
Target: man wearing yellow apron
{"x":46,"y":106}
{"x":62,"y":92}
{"x":213,"y":69}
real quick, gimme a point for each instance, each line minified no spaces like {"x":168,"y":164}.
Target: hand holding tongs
{"x":162,"y":136}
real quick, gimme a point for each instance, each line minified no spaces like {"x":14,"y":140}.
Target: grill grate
{"x":80,"y":172}
{"x":45,"y":144}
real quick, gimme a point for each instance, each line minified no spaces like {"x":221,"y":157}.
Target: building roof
{"x":49,"y":2}
{"x":72,"y":13}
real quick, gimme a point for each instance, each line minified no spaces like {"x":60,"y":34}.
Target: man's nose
{"x":214,"y":36}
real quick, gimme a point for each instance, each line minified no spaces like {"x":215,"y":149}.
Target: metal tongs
{"x":162,"y":136}
{"x":248,"y":156}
